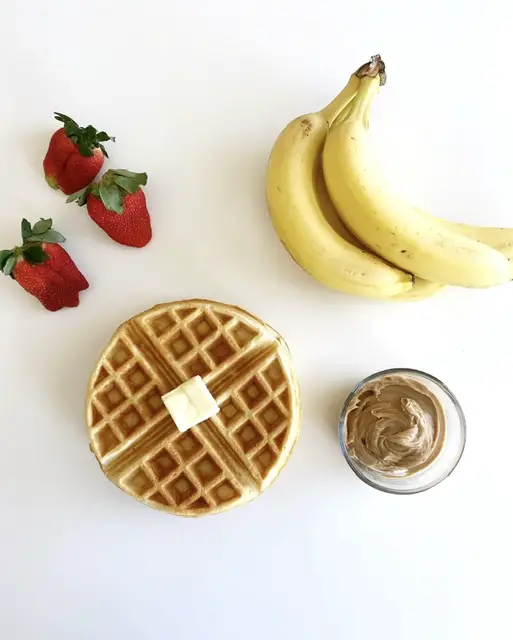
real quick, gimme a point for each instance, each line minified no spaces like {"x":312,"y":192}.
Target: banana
{"x":413,"y":241}
{"x":499,"y":238}
{"x":303,"y":215}
{"x":421,"y":289}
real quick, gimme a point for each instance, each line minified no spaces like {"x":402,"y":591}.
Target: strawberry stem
{"x":87,"y":139}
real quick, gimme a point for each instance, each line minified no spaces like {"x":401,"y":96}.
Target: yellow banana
{"x":303,"y":215}
{"x":499,"y":238}
{"x":416,"y":242}
{"x":421,"y":289}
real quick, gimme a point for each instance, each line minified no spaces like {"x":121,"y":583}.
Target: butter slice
{"x":190,"y":403}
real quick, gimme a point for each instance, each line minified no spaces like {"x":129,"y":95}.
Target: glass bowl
{"x":443,"y":464}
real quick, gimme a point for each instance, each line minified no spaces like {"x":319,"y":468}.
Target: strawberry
{"x":118,"y":205}
{"x":60,"y":261}
{"x":48,"y":286}
{"x":43,"y":268}
{"x":74,"y":156}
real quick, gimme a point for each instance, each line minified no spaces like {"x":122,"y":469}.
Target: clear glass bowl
{"x":441,"y":467}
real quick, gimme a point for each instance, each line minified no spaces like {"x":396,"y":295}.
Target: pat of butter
{"x":190,"y":403}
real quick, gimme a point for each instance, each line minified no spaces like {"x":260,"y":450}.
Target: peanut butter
{"x":395,"y":424}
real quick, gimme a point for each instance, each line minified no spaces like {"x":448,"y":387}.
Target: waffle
{"x":224,"y":461}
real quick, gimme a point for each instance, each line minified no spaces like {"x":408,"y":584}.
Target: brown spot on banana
{"x":306,"y":127}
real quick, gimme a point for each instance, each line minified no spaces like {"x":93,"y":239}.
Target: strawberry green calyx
{"x":41,"y":232}
{"x":31,"y":249}
{"x":87,"y":138}
{"x":112,"y":188}
{"x":8,"y":259}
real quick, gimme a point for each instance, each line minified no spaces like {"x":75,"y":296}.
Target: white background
{"x":196,"y":93}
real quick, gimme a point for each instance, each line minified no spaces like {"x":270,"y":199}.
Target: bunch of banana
{"x":342,"y":223}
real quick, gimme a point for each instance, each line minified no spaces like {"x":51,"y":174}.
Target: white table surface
{"x":196,"y":93}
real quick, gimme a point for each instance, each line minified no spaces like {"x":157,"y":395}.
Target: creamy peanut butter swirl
{"x":395,"y":424}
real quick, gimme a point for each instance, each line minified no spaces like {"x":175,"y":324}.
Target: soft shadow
{"x":334,"y":398}
{"x":34,"y":145}
{"x":67,"y":380}
{"x":245,"y":231}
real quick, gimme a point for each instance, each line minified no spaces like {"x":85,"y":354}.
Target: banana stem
{"x":360,"y":106}
{"x":366,"y":116}
{"x":342,"y":115}
{"x":372,"y":69}
{"x":375,"y":67}
{"x":344,"y":98}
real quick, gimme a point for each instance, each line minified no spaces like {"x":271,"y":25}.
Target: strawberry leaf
{"x":127,"y":184}
{"x":9,"y":265}
{"x":65,"y":119}
{"x":71,"y":130}
{"x":26,"y":229}
{"x":35,"y":254}
{"x":84,"y":148}
{"x":103,"y":150}
{"x":111,"y":198}
{"x":42,"y":226}
{"x":87,"y":138}
{"x":123,"y":172}
{"x":4,"y":256}
{"x":52,"y":236}
{"x":141,"y":178}
{"x":80,"y":197}
{"x":83,"y":199}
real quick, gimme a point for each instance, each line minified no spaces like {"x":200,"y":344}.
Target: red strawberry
{"x":60,"y":261}
{"x":74,"y":156}
{"x":48,"y":286}
{"x":43,"y":268}
{"x":118,"y":205}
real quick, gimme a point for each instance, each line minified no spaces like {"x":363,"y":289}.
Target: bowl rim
{"x":392,"y":371}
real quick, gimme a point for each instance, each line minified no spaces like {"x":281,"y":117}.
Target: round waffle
{"x":224,"y":461}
